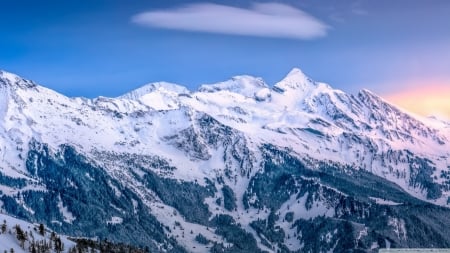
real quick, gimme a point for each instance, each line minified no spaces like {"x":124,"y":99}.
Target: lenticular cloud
{"x":263,"y":20}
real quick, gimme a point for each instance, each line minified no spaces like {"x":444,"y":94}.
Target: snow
{"x":117,"y":192}
{"x":180,"y":229}
{"x":247,"y":86}
{"x":8,"y":240}
{"x":310,"y":118}
{"x":297,"y":207}
{"x":399,"y":227}
{"x":9,"y":76}
{"x":263,"y":94}
{"x":162,"y":87}
{"x":294,"y":79}
{"x":115,"y":220}
{"x":385,"y":202}
{"x":137,"y":122}
{"x":68,"y":216}
{"x":135,"y":205}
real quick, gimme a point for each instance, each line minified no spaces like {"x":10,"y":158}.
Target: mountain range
{"x":236,"y":166}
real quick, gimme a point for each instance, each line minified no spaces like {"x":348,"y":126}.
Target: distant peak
{"x":296,"y":79}
{"x":369,"y":97}
{"x":369,"y":94}
{"x":164,"y":87}
{"x":298,"y":75}
{"x":296,"y":72}
{"x":245,"y":85}
{"x":10,"y":79}
{"x":257,"y":80}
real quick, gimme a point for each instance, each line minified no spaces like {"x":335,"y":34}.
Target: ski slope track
{"x":236,"y":166}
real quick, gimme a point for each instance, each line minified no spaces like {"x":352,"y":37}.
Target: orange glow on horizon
{"x":425,"y":100}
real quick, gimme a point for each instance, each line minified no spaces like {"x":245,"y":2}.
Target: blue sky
{"x":108,"y":47}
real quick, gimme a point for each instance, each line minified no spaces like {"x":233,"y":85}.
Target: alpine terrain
{"x":236,"y":166}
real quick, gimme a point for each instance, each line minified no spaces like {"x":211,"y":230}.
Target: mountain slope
{"x":34,"y":236}
{"x":234,"y":166}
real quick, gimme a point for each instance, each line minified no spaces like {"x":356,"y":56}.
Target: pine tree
{"x":33,"y":248}
{"x":58,"y":245}
{"x":4,"y":226}
{"x":21,"y":236}
{"x":42,"y":229}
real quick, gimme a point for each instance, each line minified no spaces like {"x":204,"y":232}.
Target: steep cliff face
{"x":236,"y":166}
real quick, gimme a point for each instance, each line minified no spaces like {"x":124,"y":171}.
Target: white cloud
{"x":262,"y":19}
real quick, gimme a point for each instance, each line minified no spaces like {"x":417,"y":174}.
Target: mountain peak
{"x":7,"y":75}
{"x":295,"y":80}
{"x":245,"y":85}
{"x":10,"y":79}
{"x":296,"y":72}
{"x":164,"y":87}
{"x":367,"y":95}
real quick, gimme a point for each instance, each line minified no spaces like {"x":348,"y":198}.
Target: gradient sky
{"x":399,"y":49}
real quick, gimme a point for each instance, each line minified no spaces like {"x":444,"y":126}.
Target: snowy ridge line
{"x":181,"y":162}
{"x":308,"y":117}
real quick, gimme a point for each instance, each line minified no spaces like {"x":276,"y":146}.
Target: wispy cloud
{"x":358,"y":9}
{"x":262,"y":19}
{"x":360,"y":12}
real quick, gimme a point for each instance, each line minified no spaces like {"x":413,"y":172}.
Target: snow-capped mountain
{"x":235,"y":166}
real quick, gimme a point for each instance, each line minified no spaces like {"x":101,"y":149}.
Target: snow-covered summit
{"x":163,"y":87}
{"x":8,"y":76}
{"x":10,"y":79}
{"x":295,"y":80}
{"x":295,"y":86}
{"x":159,"y":95}
{"x":245,"y":85}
